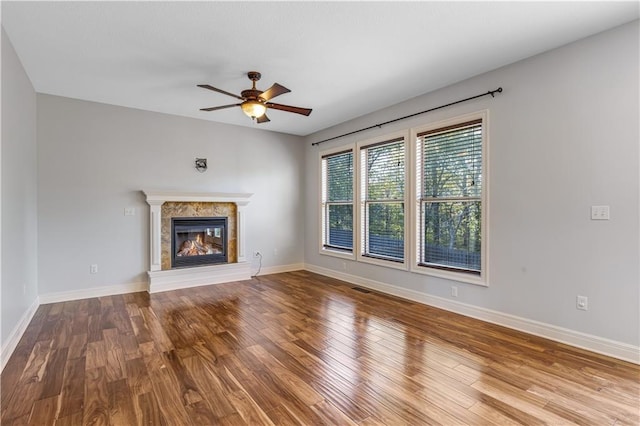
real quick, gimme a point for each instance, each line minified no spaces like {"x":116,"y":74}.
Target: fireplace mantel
{"x":202,"y":197}
{"x":160,"y":280}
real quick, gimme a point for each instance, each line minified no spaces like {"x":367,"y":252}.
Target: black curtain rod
{"x":490,"y":92}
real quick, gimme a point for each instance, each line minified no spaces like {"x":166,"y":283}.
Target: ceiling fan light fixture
{"x":253,"y":109}
{"x":256,"y":102}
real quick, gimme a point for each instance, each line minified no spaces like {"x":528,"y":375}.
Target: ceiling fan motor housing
{"x":251,"y":94}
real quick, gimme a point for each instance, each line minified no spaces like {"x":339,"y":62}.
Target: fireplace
{"x":167,"y":205}
{"x":197,"y":241}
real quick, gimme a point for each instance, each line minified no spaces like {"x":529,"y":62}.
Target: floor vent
{"x":360,"y":289}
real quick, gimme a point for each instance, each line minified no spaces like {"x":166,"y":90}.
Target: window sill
{"x":337,"y":253}
{"x":394,"y":264}
{"x":452,"y":275}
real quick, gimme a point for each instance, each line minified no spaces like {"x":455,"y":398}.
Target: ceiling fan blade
{"x":273,"y":91}
{"x":289,"y":108}
{"x":215,"y":89}
{"x":262,"y":119}
{"x":218,"y":107}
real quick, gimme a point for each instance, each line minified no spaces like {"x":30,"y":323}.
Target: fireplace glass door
{"x":198,"y":241}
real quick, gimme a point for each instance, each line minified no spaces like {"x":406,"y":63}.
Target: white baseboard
{"x":280,"y":269}
{"x":87,"y":293}
{"x":11,"y":342}
{"x":619,"y":350}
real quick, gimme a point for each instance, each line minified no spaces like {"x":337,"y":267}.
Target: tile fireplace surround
{"x":171,"y":279}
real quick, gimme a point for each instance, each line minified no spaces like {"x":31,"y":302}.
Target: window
{"x":449,"y":187}
{"x":337,"y":201}
{"x":382,"y":189}
{"x":441,"y":174}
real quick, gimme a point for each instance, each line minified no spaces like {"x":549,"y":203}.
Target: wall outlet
{"x":600,"y":213}
{"x":454,"y":291}
{"x":582,"y":303}
{"x":344,"y":266}
{"x":256,"y":254}
{"x":129,"y":211}
{"x":275,"y":251}
{"x":93,"y":269}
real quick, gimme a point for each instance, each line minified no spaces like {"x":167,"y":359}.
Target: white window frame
{"x":321,"y":203}
{"x":361,"y":198}
{"x":415,"y":176}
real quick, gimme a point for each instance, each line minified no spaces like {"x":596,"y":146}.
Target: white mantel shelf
{"x":173,"y":279}
{"x":201,"y":197}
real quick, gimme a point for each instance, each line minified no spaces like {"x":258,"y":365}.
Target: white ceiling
{"x":343,"y":59}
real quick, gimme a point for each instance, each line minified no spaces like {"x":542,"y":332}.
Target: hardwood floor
{"x":299,"y":348}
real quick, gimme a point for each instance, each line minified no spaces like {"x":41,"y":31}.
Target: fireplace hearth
{"x":197,"y":241}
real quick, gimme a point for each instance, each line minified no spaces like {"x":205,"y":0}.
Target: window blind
{"x":383,"y":199}
{"x":337,"y":175}
{"x":340,"y":177}
{"x":452,"y":160}
{"x":451,"y":197}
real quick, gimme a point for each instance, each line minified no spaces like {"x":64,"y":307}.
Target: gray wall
{"x":563,"y":136}
{"x":94,"y":160}
{"x":19,"y":277}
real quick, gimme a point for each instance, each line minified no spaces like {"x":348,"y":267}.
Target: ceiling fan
{"x":255,"y":102}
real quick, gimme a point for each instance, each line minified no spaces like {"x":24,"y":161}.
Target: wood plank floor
{"x":298,"y":348}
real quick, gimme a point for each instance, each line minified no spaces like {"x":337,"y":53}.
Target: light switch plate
{"x":582,"y":303}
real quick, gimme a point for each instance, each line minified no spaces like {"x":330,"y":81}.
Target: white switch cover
{"x":129,"y":211}
{"x":599,"y":212}
{"x":582,"y":303}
